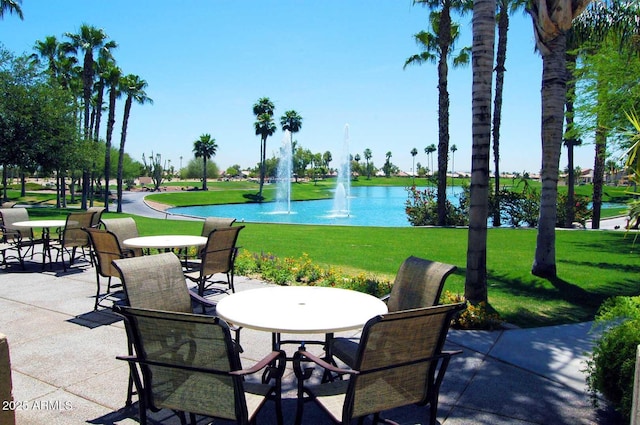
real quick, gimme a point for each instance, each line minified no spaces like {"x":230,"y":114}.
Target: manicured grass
{"x":592,"y":265}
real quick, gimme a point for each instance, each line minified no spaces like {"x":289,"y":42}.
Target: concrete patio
{"x":65,"y":372}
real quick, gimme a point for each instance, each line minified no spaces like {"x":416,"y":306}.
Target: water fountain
{"x":341,"y":205}
{"x":285,"y":168}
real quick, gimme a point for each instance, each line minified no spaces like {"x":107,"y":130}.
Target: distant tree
{"x":205,"y":147}
{"x":134,"y":88}
{"x":429,"y":150}
{"x":367,"y":157}
{"x":414,"y":152}
{"x":326,"y":160}
{"x":387,"y":164}
{"x":233,"y":171}
{"x":111,"y":77}
{"x":264,"y":127}
{"x":291,"y":121}
{"x":88,"y":40}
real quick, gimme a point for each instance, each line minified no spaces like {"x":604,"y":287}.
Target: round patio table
{"x":165,"y":241}
{"x":46,"y":226}
{"x":300,"y":310}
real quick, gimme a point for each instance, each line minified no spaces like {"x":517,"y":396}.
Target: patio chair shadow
{"x":95,"y":318}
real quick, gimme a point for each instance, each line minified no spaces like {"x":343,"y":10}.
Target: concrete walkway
{"x":65,"y":371}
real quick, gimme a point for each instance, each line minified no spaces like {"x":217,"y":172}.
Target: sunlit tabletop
{"x":165,"y":241}
{"x":45,"y":224}
{"x":300,"y":309}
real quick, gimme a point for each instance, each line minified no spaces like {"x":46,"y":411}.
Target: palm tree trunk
{"x":443,"y":113}
{"x":554,"y":87}
{"x":204,"y":172}
{"x":570,"y":141}
{"x":111,"y":120}
{"x":123,"y":139}
{"x":475,"y":288}
{"x":501,"y":56}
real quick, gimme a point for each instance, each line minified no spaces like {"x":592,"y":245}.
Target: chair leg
{"x":95,"y":306}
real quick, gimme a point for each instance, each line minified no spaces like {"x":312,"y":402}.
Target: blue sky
{"x":334,"y":62}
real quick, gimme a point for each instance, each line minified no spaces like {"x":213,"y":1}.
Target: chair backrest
{"x":105,"y":249}
{"x":12,"y":215}
{"x":97,"y":216}
{"x":418,"y":284}
{"x":397,"y":359}
{"x":74,"y":233}
{"x":155,"y":282}
{"x":124,"y":228}
{"x":185,"y":360}
{"x":219,"y":253}
{"x":211,"y":223}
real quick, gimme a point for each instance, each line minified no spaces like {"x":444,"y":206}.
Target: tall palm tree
{"x":367,"y":156}
{"x":291,"y":121}
{"x":438,"y":47}
{"x":205,"y":147}
{"x":454,"y":148}
{"x":475,"y":287}
{"x":429,"y":150}
{"x":112,"y":78}
{"x":505,"y":7}
{"x":134,"y":88}
{"x":264,"y":127}
{"x":414,"y":152}
{"x":11,"y":6}
{"x":88,"y":40}
{"x":551,"y":20}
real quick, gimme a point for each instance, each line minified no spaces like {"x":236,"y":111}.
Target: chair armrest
{"x":268,"y":360}
{"x":202,"y":300}
{"x":302,"y":355}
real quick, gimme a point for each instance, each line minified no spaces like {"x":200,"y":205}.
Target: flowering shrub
{"x":302,"y":271}
{"x":479,"y":316}
{"x":421,"y":208}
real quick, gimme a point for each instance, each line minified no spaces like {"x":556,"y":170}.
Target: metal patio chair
{"x":418,"y":284}
{"x":157,"y":282}
{"x":105,"y":249}
{"x":22,"y":239}
{"x":73,"y":236}
{"x":124,"y":228}
{"x":400,"y":361}
{"x":188,"y":363}
{"x":217,"y":256}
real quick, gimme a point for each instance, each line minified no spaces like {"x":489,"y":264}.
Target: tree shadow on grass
{"x":253,"y":197}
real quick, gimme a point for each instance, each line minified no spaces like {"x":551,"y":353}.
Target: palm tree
{"x":505,"y":7}
{"x":11,"y":6}
{"x":438,"y":47}
{"x":551,"y":20}
{"x":205,"y":147}
{"x":414,"y":152}
{"x":475,"y":288}
{"x":454,"y":148}
{"x":387,"y":164}
{"x":264,"y":127}
{"x":133,"y":87}
{"x":291,"y":121}
{"x":112,"y":78}
{"x":429,"y":150}
{"x":88,"y":40}
{"x":367,"y":156}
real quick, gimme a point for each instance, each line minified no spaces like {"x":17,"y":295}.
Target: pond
{"x":378,"y":206}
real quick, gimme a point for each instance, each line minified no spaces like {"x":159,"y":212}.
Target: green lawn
{"x":592,"y":265}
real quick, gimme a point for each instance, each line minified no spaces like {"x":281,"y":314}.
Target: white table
{"x":300,"y":310}
{"x":46,"y":226}
{"x":165,"y":241}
